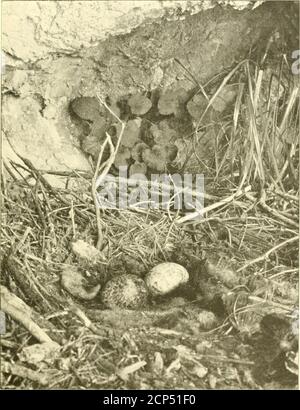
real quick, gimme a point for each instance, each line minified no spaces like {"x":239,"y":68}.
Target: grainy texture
{"x":75,"y":55}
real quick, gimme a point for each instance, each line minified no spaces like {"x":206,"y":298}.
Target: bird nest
{"x":242,"y":255}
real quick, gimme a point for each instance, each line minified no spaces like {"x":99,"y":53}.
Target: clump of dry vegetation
{"x":242,"y":255}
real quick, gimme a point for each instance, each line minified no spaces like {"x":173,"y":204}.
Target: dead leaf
{"x":163,"y":134}
{"x":139,"y":104}
{"x":155,"y":158}
{"x":91,"y":145}
{"x":196,"y":106}
{"x":137,"y":151}
{"x":131,"y":133}
{"x":159,"y":156}
{"x":122,"y":157}
{"x":87,"y":108}
{"x":224,"y":98}
{"x":172,"y":102}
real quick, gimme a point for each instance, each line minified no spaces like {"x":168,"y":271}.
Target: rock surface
{"x":40,"y":28}
{"x":57,"y":51}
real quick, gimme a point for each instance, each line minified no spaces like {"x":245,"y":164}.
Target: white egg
{"x":166,"y":277}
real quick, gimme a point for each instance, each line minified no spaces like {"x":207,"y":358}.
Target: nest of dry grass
{"x":250,"y":221}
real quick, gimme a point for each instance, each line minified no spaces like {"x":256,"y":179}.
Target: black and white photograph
{"x":149,"y":197}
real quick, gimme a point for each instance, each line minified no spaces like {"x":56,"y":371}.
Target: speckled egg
{"x":166,"y":277}
{"x":124,"y":291}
